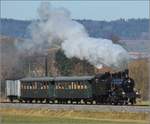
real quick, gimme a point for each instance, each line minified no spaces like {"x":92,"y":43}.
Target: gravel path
{"x":95,"y":108}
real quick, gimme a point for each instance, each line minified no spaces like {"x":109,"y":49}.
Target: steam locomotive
{"x":107,"y":88}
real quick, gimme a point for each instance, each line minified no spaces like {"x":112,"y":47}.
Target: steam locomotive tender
{"x":107,"y":88}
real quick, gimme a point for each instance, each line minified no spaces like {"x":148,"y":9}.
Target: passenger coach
{"x":50,"y":89}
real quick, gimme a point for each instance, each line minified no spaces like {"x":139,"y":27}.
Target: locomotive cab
{"x":101,"y":88}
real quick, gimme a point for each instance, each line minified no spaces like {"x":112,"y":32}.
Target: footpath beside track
{"x":94,"y":108}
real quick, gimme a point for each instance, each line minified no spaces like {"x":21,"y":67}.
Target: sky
{"x":95,"y":10}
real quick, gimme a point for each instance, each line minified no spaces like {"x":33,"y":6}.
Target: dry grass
{"x":117,"y":116}
{"x":143,"y":103}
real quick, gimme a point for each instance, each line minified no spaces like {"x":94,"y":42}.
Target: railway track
{"x":77,"y":107}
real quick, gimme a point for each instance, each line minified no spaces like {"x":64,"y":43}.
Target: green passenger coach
{"x":61,"y":89}
{"x":73,"y":88}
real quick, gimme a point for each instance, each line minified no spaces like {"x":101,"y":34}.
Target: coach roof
{"x":61,"y":78}
{"x":37,"y":79}
{"x":74,"y":78}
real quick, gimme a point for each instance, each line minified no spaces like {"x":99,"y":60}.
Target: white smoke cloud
{"x":56,"y":27}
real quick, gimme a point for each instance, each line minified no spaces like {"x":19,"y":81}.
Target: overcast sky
{"x":95,"y":10}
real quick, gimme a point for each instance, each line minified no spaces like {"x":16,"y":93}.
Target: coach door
{"x":51,"y":89}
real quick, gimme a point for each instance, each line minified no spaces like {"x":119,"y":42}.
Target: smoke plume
{"x":56,"y":28}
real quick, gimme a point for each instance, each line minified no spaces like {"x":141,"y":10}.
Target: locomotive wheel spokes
{"x":91,"y":102}
{"x":53,"y":101}
{"x":30,"y":101}
{"x":41,"y":101}
{"x":20,"y":101}
{"x":46,"y":101}
{"x":11,"y":99}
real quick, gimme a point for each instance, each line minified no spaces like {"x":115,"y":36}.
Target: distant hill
{"x":14,"y":28}
{"x":124,"y":29}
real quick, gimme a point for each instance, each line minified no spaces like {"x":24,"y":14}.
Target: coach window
{"x":59,"y":85}
{"x":41,"y":86}
{"x":72,"y":83}
{"x":56,"y":86}
{"x":24,"y":86}
{"x":21,"y":86}
{"x":85,"y":86}
{"x":30,"y":86}
{"x":62,"y":86}
{"x":69,"y":86}
{"x":75,"y":85}
{"x":82,"y":87}
{"x":36,"y":85}
{"x":45,"y":85}
{"x":33,"y":85}
{"x":42,"y":83}
{"x":78,"y":85}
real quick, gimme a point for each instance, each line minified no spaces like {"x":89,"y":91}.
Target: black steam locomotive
{"x":106,"y":88}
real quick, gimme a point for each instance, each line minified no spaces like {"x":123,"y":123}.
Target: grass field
{"x":46,"y":120}
{"x":146,"y":103}
{"x":43,"y":116}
